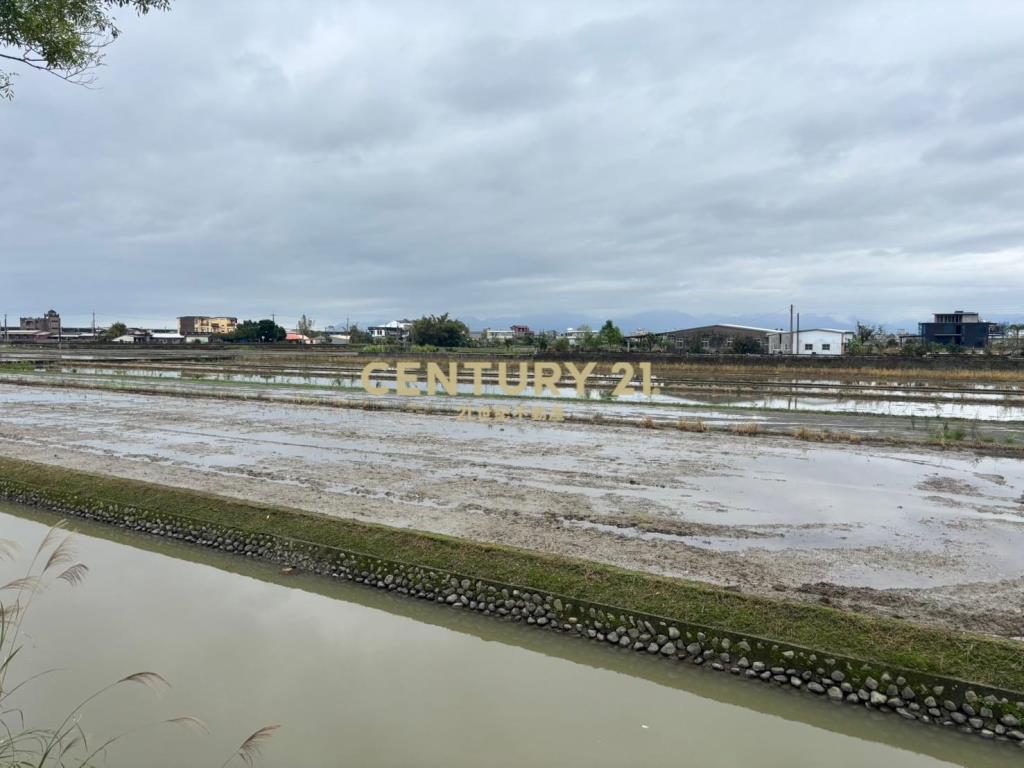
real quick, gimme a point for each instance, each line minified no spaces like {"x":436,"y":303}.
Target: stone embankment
{"x":983,"y":711}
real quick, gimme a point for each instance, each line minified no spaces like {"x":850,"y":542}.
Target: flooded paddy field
{"x":343,"y":668}
{"x":998,"y":400}
{"x":931,"y":536}
{"x":978,"y":420}
{"x":987,"y":403}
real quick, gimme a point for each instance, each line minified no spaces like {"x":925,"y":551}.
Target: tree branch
{"x":74,"y":75}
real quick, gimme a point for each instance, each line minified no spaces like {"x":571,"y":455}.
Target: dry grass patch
{"x":746,"y":429}
{"x":684,"y":425}
{"x":825,"y":436}
{"x":812,"y":435}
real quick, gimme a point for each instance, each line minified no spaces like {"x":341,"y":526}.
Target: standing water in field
{"x":967,"y":402}
{"x":363,"y":678}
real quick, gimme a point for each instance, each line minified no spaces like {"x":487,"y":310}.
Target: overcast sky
{"x":383,"y":159}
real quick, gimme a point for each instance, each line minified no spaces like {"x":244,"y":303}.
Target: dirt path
{"x":935,"y":537}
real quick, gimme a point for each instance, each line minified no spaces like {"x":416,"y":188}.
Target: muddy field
{"x":932,"y":536}
{"x":883,"y":417}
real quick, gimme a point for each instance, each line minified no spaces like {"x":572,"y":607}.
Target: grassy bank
{"x":977,"y":659}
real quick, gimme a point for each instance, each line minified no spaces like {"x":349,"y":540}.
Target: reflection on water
{"x":972,"y":402}
{"x":945,"y":409}
{"x":363,"y":678}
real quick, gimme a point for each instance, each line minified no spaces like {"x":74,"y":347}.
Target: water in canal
{"x":358,"y":677}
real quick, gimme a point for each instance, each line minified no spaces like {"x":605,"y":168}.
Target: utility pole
{"x":5,"y":327}
{"x":792,"y":342}
{"x":94,"y":325}
{"x":798,"y":333}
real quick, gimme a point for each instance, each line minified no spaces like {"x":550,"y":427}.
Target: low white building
{"x":574,"y":335}
{"x":396,"y":329}
{"x":158,"y":337}
{"x":812,"y":341}
{"x":492,"y":334}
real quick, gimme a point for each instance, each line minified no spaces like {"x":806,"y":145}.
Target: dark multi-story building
{"x":50,"y":323}
{"x":957,"y":329}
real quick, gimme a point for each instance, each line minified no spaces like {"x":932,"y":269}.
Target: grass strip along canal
{"x":930,"y":675}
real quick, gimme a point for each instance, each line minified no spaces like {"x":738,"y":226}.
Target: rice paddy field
{"x":893,"y":492}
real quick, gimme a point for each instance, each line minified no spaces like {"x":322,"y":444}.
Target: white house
{"x":394,"y":330}
{"x":573,"y":335}
{"x":158,"y":337}
{"x":490,"y":334}
{"x":812,"y":341}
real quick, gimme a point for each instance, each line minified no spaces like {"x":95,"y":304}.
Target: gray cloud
{"x":372,"y":160}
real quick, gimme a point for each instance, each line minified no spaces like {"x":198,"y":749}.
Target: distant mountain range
{"x":655,"y":320}
{"x":670,"y":320}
